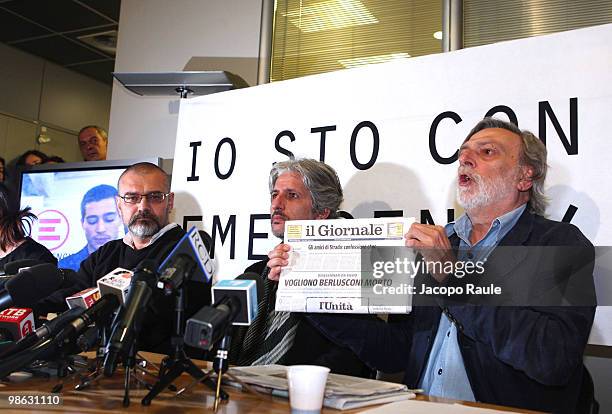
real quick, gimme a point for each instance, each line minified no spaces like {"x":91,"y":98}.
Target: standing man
{"x":93,"y":142}
{"x":527,"y":355}
{"x":100,"y":221}
{"x":144,"y":202}
{"x":302,"y":189}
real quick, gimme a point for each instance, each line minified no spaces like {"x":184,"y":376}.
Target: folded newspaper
{"x":326,"y":271}
{"x":342,"y":392}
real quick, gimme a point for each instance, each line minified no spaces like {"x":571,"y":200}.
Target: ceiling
{"x":56,"y":30}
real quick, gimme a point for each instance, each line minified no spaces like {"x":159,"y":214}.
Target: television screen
{"x":75,"y":206}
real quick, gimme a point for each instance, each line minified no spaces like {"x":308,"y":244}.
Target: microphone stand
{"x":173,"y":366}
{"x":97,"y":368}
{"x":220,"y":367}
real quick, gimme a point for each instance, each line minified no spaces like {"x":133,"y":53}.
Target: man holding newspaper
{"x":521,"y":347}
{"x":299,"y":190}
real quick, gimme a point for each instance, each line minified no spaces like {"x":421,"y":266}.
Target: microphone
{"x":31,"y":285}
{"x":191,"y":246}
{"x":116,"y":282}
{"x":98,"y":312}
{"x":15,"y":323}
{"x":84,"y":299}
{"x":12,"y":268}
{"x":46,"y":330}
{"x":235,"y":302}
{"x":128,"y":322}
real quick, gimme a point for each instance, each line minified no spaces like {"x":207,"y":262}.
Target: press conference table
{"x":107,"y":396}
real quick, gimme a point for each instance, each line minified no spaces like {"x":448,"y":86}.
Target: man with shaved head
{"x":144,"y":202}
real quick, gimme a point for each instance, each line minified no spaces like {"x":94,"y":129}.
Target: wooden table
{"x":107,"y":395}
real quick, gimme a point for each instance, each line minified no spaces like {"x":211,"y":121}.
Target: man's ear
{"x":170,"y":201}
{"x":526,"y":179}
{"x":323,"y":215}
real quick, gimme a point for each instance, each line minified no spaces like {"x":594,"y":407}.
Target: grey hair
{"x":320,"y":179}
{"x":533,"y":154}
{"x":98,"y":129}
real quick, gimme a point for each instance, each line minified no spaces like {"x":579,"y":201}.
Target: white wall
{"x":159,"y":36}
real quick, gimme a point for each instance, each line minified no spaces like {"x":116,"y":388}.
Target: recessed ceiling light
{"x":104,"y":41}
{"x":438,"y":35}
{"x":368,"y":60}
{"x":331,"y":14}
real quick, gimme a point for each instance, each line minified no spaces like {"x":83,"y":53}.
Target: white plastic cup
{"x":306,"y":388}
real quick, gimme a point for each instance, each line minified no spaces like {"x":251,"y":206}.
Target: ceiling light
{"x":368,"y":60}
{"x":104,"y":41}
{"x":331,"y":14}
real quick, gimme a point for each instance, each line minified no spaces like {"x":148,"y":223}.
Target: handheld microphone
{"x":128,"y":321}
{"x":14,"y":267}
{"x":191,"y":246}
{"x":31,"y":285}
{"x":15,"y":323}
{"x":46,"y":330}
{"x":100,"y":311}
{"x":116,"y":282}
{"x":177,"y":270}
{"x":84,"y":299}
{"x":235,"y":302}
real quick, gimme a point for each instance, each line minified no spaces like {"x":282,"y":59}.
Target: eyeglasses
{"x":154,"y":197}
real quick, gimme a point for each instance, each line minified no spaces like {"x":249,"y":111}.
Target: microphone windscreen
{"x":13,"y":267}
{"x":34,"y":284}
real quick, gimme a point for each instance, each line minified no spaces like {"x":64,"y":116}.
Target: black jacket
{"x":29,"y":249}
{"x":310,"y":347}
{"x":159,"y":321}
{"x":528,"y":357}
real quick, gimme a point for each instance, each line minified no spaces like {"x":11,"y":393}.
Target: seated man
{"x":299,"y":190}
{"x":100,"y":220}
{"x":522,"y":356}
{"x":144,"y":203}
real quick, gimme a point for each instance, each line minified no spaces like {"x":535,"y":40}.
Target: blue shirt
{"x":445,"y":375}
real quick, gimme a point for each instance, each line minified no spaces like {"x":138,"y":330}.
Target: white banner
{"x":392,"y":131}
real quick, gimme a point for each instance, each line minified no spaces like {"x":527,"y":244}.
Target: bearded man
{"x":525,"y":353}
{"x":144,"y":203}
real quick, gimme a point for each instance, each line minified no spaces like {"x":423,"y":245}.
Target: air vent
{"x":104,"y":41}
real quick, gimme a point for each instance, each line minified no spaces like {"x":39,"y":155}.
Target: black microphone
{"x":46,"y":330}
{"x":20,"y":360}
{"x":191,"y":246}
{"x":128,"y":321}
{"x":12,"y":268}
{"x":99,"y":311}
{"x":31,"y":285}
{"x":235,"y":302}
{"x":177,"y":270}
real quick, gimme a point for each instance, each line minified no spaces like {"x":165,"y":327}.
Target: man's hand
{"x":433,"y":244}
{"x":278,"y":259}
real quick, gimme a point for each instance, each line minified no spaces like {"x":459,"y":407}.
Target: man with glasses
{"x":100,"y":220}
{"x":144,"y":203}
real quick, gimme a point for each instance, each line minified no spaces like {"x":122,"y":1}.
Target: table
{"x":107,"y":396}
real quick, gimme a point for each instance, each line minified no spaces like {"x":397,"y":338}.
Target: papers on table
{"x":342,"y":392}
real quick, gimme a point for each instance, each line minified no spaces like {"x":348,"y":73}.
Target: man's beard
{"x":144,"y":229}
{"x":280,"y":234}
{"x":487,"y":190}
